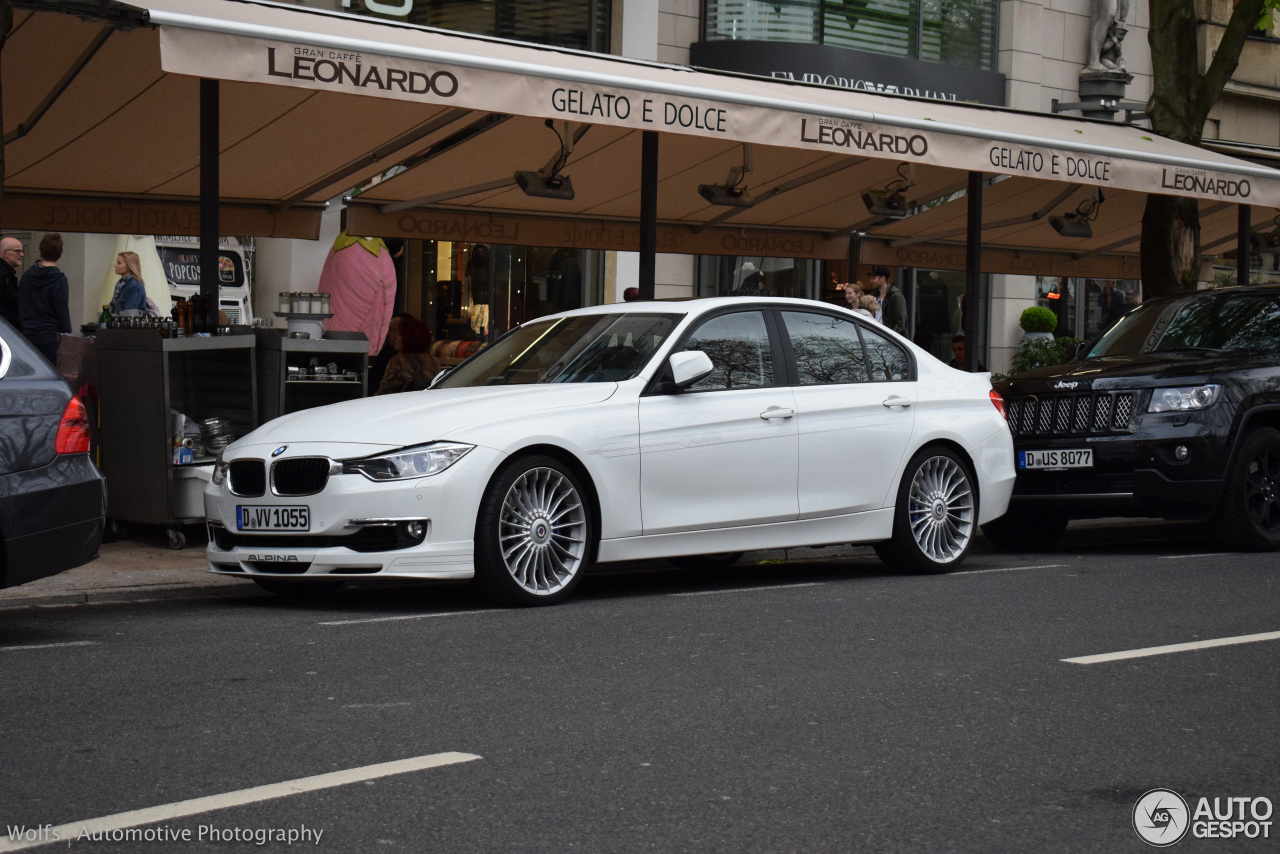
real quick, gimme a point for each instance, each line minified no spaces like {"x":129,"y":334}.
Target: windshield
{"x":589,"y":348}
{"x":1196,"y":323}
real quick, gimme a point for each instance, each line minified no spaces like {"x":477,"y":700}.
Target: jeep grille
{"x":1071,"y":414}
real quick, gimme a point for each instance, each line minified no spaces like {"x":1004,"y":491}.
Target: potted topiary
{"x":1038,"y":322}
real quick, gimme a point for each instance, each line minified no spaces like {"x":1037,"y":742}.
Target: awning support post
{"x":1243,"y":228}
{"x":972,"y":272}
{"x":209,"y":198}
{"x":648,"y":213}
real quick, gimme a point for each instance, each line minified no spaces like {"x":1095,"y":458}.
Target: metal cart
{"x":143,"y":379}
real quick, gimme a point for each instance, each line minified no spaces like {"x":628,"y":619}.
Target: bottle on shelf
{"x":104,"y":319}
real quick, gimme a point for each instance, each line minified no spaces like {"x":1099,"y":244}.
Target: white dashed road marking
{"x":1010,"y":569}
{"x":410,"y":617}
{"x":46,"y":646}
{"x":195,"y":806}
{"x":750,"y":589}
{"x":1173,"y":647}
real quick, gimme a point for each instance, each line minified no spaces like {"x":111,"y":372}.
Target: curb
{"x":109,"y":595}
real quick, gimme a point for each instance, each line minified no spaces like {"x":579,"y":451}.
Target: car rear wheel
{"x":1025,"y":531}
{"x":705,"y":562}
{"x":298,"y":590}
{"x":935,"y":514}
{"x":1249,"y":515}
{"x":534,"y":534}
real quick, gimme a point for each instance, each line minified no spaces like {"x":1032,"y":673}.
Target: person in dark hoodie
{"x":42,"y":299}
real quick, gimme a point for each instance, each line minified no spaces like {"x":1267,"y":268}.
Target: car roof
{"x":696,"y":305}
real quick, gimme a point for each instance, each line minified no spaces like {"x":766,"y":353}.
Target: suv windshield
{"x":588,"y":348}
{"x":1196,"y":323}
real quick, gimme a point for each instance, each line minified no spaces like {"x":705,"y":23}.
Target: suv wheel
{"x":1025,"y":531}
{"x":1249,"y":516}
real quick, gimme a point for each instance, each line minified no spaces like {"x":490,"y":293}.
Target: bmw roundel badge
{"x":280,"y":450}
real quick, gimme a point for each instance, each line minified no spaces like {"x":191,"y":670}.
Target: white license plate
{"x":261,"y":517}
{"x":1066,"y":459}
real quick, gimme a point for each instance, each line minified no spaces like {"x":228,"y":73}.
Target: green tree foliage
{"x":1181,"y":98}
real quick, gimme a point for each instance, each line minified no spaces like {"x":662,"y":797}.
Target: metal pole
{"x":1242,"y":243}
{"x":972,"y":271}
{"x":855,"y":255}
{"x":648,"y":213}
{"x":209,"y":197}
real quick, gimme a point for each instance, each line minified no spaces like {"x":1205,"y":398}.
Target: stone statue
{"x":1106,"y":32}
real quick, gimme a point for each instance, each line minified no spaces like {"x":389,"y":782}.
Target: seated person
{"x":413,"y":366}
{"x":957,"y":353}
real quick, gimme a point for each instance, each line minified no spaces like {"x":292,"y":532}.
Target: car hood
{"x":1141,"y":371}
{"x":397,"y":420}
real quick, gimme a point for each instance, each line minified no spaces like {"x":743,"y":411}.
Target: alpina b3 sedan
{"x":685,"y":430}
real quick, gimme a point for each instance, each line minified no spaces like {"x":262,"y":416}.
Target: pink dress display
{"x":360,"y":277}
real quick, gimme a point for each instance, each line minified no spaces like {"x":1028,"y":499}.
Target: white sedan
{"x":693,"y":431}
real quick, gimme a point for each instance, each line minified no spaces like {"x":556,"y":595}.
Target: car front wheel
{"x":934,"y":516}
{"x":533,"y":534}
{"x":1249,"y":516}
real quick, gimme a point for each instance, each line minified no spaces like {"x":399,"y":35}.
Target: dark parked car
{"x":1173,"y":412}
{"x":53,"y":499}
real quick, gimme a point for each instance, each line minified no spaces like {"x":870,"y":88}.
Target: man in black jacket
{"x":42,"y":299}
{"x":11,"y":253}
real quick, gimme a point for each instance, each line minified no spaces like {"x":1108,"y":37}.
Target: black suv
{"x":1173,"y":412}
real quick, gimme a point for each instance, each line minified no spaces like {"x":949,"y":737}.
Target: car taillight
{"x":73,"y":430}
{"x":998,"y":402}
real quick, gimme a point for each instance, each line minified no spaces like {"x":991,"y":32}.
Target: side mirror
{"x":689,"y":367}
{"x":436,"y":379}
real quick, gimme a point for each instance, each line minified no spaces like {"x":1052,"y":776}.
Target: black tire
{"x":177,"y":539}
{"x":706,"y":562}
{"x":935,"y":515}
{"x":1248,"y":517}
{"x":298,"y":590}
{"x":535,"y":533}
{"x":1025,"y":531}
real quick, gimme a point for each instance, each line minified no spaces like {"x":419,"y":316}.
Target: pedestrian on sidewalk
{"x":42,"y":299}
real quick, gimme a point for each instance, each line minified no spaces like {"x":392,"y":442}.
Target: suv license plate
{"x":1072,"y":459}
{"x":261,"y":517}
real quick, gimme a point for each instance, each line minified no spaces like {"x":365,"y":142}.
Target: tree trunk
{"x":1170,"y":245}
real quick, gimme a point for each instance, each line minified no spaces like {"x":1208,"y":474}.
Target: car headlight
{"x":220,"y":470}
{"x":1183,"y":399}
{"x":409,"y":463}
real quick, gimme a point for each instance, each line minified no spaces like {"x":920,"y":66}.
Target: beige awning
{"x":315,"y":103}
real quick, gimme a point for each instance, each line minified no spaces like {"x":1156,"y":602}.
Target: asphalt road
{"x":808,"y":706}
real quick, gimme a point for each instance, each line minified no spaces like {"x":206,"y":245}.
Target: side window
{"x":827,"y":349}
{"x":738,"y":345}
{"x":887,"y":361}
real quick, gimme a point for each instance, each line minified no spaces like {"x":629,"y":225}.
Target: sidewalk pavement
{"x":144,"y":567}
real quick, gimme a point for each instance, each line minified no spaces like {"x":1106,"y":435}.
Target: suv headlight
{"x":1183,"y":399}
{"x":409,"y":463}
{"x":220,"y":470}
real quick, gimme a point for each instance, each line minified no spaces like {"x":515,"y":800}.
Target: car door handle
{"x":777,"y":412}
{"x":895,"y":400}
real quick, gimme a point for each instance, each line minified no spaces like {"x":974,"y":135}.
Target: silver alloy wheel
{"x":542,"y":531}
{"x":940,"y":509}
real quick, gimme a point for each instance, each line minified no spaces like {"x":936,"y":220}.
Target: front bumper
{"x":359,"y":528}
{"x":1135,"y":474}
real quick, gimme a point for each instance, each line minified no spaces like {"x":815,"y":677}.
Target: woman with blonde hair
{"x":130,"y":293}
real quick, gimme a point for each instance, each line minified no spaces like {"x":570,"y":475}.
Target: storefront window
{"x":580,"y":24}
{"x":474,"y":292}
{"x":960,"y":32}
{"x":1086,"y":307}
{"x":755,"y":275}
{"x":939,"y":310}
